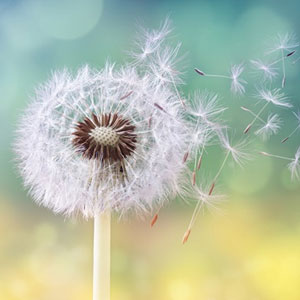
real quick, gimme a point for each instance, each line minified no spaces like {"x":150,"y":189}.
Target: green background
{"x":251,"y":250}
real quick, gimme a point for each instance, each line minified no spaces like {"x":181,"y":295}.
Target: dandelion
{"x":237,"y":83}
{"x":285,"y":44}
{"x":272,"y":125}
{"x":107,"y":141}
{"x":275,"y":97}
{"x":293,"y":165}
{"x":297,"y":115}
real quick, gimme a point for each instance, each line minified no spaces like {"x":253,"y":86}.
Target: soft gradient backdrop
{"x":249,"y":251}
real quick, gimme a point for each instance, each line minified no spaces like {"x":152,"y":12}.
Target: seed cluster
{"x":107,"y":138}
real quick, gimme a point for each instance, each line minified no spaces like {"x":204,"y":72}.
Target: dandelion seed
{"x":205,"y":105}
{"x":268,"y":71}
{"x":154,"y":220}
{"x":291,"y":53}
{"x":159,"y":107}
{"x":185,"y":157}
{"x":237,"y":83}
{"x":186,"y":236}
{"x":293,"y":165}
{"x":238,"y":151}
{"x":199,"y":72}
{"x":199,"y":162}
{"x":271,"y":127}
{"x":149,"y":41}
{"x":194,"y":178}
{"x":275,"y":97}
{"x":205,"y":112}
{"x":126,"y":96}
{"x":284,"y":43}
{"x":297,"y":115}
{"x":211,"y":189}
{"x":203,"y":198}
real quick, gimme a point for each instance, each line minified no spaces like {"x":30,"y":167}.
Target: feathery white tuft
{"x":237,"y":83}
{"x":275,"y":96}
{"x":294,"y":166}
{"x":271,"y":127}
{"x":237,"y":151}
{"x":284,"y":42}
{"x":297,"y":116}
{"x":268,"y":71}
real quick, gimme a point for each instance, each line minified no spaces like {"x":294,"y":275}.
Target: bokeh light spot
{"x":66,"y":19}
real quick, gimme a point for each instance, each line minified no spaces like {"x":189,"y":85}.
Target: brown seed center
{"x":107,"y":137}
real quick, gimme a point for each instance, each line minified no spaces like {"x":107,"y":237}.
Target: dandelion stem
{"x":101,"y":267}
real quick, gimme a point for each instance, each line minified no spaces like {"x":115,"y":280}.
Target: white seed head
{"x":110,"y":139}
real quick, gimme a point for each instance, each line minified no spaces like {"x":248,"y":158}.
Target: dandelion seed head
{"x":85,"y":144}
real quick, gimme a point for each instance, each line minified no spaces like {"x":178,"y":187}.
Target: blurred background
{"x":248,"y":250}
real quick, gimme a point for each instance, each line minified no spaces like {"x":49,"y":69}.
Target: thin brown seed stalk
{"x":199,"y":162}
{"x":154,"y":220}
{"x":126,"y":96}
{"x":186,"y":236}
{"x":185,"y":157}
{"x":193,"y":178}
